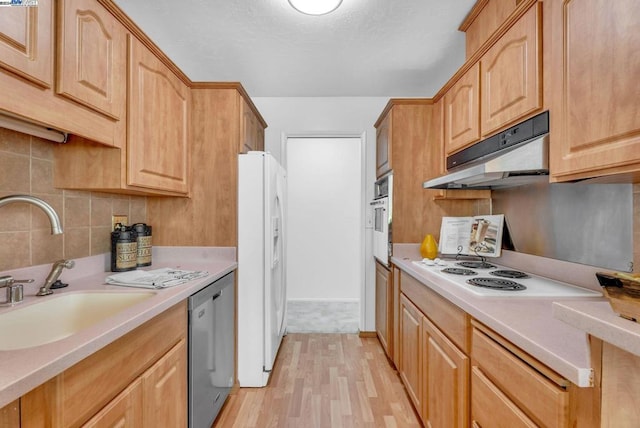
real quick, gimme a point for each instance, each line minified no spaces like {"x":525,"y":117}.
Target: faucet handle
{"x":15,"y":293}
{"x":7,"y":281}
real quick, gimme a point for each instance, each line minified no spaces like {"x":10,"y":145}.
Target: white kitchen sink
{"x":56,"y":317}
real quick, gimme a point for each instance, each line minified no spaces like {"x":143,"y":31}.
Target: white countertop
{"x":529,"y":323}
{"x":599,"y":320}
{"x":22,"y":370}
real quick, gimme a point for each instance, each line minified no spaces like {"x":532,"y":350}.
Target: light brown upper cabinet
{"x":483,"y":20}
{"x":210,"y":216}
{"x":501,"y":83}
{"x":27,"y":58}
{"x":155,"y":158}
{"x":593,"y":69}
{"x":92,"y":68}
{"x":252,"y":133}
{"x":158,"y":123}
{"x":511,"y":75}
{"x":383,"y":146}
{"x":402,"y":143}
{"x":462,"y":112}
{"x":435,"y":166}
{"x":26,"y":42}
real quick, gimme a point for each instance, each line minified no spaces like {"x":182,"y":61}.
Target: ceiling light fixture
{"x":315,"y":7}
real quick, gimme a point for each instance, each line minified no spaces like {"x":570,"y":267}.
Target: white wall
{"x":326,"y":116}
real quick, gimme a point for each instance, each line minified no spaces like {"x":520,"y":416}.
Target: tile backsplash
{"x":25,"y":235}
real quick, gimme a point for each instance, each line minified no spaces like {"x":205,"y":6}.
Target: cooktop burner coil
{"x":476,"y":265}
{"x":459,"y":271}
{"x":507,"y":273}
{"x":496,"y":284}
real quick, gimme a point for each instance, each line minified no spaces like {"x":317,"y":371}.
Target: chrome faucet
{"x":15,"y":292}
{"x":56,"y":270}
{"x":56,"y":226}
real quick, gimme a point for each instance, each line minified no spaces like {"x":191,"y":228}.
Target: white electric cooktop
{"x":514,"y":283}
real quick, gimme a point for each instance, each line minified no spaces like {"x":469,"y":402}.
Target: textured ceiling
{"x":388,"y":48}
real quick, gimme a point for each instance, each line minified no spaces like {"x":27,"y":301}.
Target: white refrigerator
{"x":261,"y":265}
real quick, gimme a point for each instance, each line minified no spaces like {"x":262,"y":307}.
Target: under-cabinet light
{"x":25,"y":127}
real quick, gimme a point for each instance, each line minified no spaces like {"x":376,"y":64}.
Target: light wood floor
{"x":324,"y":380}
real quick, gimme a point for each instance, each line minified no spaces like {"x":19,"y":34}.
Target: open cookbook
{"x":480,"y":235}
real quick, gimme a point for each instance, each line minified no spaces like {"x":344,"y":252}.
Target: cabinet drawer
{"x":491,"y":408}
{"x":541,"y":399}
{"x":448,"y":317}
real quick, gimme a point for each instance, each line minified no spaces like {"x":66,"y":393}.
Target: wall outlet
{"x":118,"y":218}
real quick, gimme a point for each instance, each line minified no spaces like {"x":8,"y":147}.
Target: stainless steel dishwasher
{"x":211,"y":350}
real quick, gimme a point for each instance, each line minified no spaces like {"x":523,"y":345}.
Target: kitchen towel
{"x":158,"y":278}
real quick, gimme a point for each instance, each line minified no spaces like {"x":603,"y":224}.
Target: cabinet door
{"x":384,"y":308}
{"x":411,"y":350}
{"x":462,"y":112}
{"x":124,"y":411}
{"x":252,"y":136}
{"x":383,"y":145}
{"x":395,"y":331}
{"x":93,"y":54}
{"x":158,"y":123}
{"x":511,"y":75}
{"x":445,"y":380}
{"x":26,"y":42}
{"x":164,"y":388}
{"x":593,"y":71}
{"x":492,"y":15}
{"x":260,"y":140}
{"x":10,"y":415}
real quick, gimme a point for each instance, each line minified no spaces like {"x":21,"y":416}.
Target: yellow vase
{"x":429,"y":247}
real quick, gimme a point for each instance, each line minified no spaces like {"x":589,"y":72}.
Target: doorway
{"x":325,"y":233}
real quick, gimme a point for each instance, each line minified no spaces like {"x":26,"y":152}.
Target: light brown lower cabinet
{"x":139,"y":380}
{"x":490,"y":407}
{"x":10,"y":415}
{"x":123,"y":411}
{"x":410,"y":368}
{"x":445,"y":380}
{"x":384,"y":308}
{"x":509,"y":388}
{"x":164,"y":388}
{"x":434,"y":371}
{"x":619,"y":372}
{"x":460,"y":373}
{"x":153,"y":399}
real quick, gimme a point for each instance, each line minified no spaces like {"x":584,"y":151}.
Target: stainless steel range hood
{"x":517,"y":156}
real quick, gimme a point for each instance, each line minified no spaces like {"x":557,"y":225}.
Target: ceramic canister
{"x":124,"y":249}
{"x":143,"y":232}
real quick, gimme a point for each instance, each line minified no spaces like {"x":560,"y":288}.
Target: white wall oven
{"x":382,"y":216}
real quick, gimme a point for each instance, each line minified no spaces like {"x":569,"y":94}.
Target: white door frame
{"x":363,"y":202}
